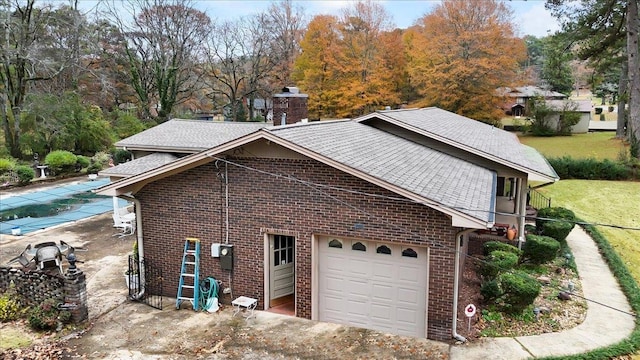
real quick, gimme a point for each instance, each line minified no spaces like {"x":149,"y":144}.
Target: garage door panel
{"x":383,"y":293}
{"x":379,"y":291}
{"x":333,"y":283}
{"x":381,"y":313}
{"x":408,"y":295}
{"x":359,"y":267}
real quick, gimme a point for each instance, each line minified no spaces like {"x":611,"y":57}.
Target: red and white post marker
{"x":470,"y":311}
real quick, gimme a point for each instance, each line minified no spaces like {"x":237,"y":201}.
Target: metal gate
{"x":144,"y":286}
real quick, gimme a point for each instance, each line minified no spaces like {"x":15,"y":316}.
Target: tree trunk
{"x":622,"y":103}
{"x":634,"y":77}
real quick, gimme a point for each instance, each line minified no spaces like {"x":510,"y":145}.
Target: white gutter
{"x":456,"y":282}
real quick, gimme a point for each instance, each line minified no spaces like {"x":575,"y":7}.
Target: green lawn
{"x":605,"y":202}
{"x":598,"y":145}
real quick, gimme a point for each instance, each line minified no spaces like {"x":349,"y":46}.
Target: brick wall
{"x":191,"y":204}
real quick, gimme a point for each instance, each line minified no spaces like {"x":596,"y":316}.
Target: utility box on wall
{"x":226,"y":257}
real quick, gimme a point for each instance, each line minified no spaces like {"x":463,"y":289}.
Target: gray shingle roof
{"x":138,"y":166}
{"x":188,"y":136}
{"x":431,"y":174}
{"x":531,"y":91}
{"x":482,"y":137}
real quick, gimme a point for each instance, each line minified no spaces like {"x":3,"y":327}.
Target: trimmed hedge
{"x":590,"y":169}
{"x":553,"y":213}
{"x":490,"y":291}
{"x":6,"y":165}
{"x":25,"y":174}
{"x":491,"y":246}
{"x":520,"y":290}
{"x":540,"y":249}
{"x":497,"y":262}
{"x":61,"y":162}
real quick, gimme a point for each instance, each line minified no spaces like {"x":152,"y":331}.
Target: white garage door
{"x":373,"y":285}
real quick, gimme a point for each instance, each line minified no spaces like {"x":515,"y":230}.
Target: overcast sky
{"x":531,"y":16}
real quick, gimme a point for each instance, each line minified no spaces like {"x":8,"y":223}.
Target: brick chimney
{"x":290,"y":106}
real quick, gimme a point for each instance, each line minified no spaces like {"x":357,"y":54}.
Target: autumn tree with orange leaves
{"x":460,"y":53}
{"x":351,"y":65}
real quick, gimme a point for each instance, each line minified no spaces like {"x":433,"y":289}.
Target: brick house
{"x":363,"y":222}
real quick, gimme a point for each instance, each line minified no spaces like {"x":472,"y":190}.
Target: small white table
{"x":247,"y":303}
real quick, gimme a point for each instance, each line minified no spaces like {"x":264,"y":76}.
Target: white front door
{"x":282,"y":266}
{"x":373,"y":285}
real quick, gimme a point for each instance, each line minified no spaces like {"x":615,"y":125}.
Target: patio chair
{"x":126,"y":224}
{"x":49,"y":257}
{"x":22,"y":258}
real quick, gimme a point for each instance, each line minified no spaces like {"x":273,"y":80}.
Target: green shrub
{"x":490,"y":291}
{"x":9,"y":307}
{"x":101,"y":158}
{"x":498,"y":261}
{"x":61,"y":162}
{"x":590,"y":169}
{"x":519,"y":290}
{"x":540,"y":249}
{"x":558,"y":230}
{"x":83,"y":161}
{"x":121,"y":156}
{"x":6,"y":165}
{"x":46,"y":316}
{"x":25,"y":174}
{"x":491,"y":246}
{"x":94,"y":168}
{"x":553,"y":213}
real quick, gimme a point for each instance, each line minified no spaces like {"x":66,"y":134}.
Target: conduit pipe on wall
{"x":456,"y":283}
{"x":139,"y":238}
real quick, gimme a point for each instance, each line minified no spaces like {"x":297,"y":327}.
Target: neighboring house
{"x":583,"y":107}
{"x":518,"y":98}
{"x":363,"y":222}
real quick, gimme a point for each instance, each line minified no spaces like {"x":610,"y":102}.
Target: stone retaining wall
{"x":34,"y":287}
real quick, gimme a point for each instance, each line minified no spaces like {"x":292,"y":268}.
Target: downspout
{"x":136,"y":206}
{"x":456,"y":283}
{"x":226,"y":203}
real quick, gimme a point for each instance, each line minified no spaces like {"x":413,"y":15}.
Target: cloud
{"x":536,"y":20}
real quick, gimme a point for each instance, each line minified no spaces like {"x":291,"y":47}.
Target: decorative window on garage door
{"x":409,"y":252}
{"x":358,"y":246}
{"x":383,"y":249}
{"x":335,"y":243}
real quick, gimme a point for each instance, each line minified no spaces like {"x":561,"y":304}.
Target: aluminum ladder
{"x":190,"y":273}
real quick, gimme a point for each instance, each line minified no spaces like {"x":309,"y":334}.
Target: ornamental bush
{"x":497,"y":262}
{"x":83,"y":161}
{"x":540,"y":249}
{"x":590,"y":169}
{"x":519,"y":290}
{"x":556,"y":228}
{"x":491,"y":246}
{"x":46,"y":316}
{"x":6,"y":165}
{"x":25,"y":174}
{"x":553,"y":213}
{"x":61,"y":162}
{"x":9,"y":307}
{"x":490,"y":291}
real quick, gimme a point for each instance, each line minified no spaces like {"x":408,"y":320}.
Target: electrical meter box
{"x":215,"y":250}
{"x":226,"y":257}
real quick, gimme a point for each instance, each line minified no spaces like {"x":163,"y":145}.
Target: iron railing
{"x":536,"y":200}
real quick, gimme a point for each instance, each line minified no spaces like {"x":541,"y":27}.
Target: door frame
{"x":267,"y":236}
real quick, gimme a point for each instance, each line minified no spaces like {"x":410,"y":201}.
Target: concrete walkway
{"x":603,"y":326}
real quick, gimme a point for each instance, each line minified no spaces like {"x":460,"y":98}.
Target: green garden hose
{"x":208,"y":291}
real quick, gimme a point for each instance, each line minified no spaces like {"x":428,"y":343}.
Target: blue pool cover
{"x":28,"y":224}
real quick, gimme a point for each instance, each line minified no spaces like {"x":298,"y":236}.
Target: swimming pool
{"x":40,"y":209}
